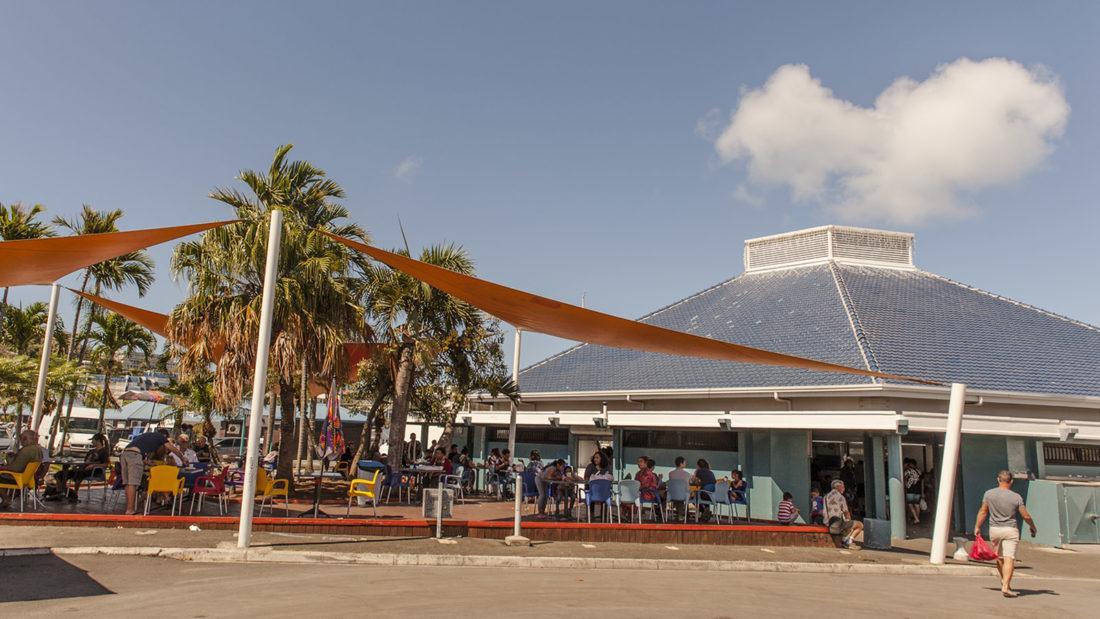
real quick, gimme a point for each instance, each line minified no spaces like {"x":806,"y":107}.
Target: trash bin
{"x":365,"y":470}
{"x":876,"y":533}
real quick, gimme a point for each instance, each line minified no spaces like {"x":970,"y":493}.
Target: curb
{"x":269,"y":555}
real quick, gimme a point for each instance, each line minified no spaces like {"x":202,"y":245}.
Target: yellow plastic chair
{"x":270,"y":489}
{"x":164,"y":478}
{"x":23,"y":481}
{"x":366,"y":488}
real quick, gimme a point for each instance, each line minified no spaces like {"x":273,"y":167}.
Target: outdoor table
{"x":318,"y":477}
{"x":419,"y":472}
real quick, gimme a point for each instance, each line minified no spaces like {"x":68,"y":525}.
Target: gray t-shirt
{"x":1004,"y":505}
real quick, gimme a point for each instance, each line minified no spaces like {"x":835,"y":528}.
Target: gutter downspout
{"x":787,"y":401}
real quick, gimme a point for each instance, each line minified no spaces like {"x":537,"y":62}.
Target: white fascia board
{"x":1004,"y":426}
{"x":529,"y":418}
{"x":882,"y":421}
{"x":993,"y":396}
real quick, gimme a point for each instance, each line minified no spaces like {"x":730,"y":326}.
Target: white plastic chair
{"x":677,"y":490}
{"x":717,"y":498}
{"x":454,"y":483}
{"x":630,"y":492}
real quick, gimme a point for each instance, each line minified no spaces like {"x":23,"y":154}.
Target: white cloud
{"x":906,"y":159}
{"x":408,"y":169}
{"x":742,"y":194}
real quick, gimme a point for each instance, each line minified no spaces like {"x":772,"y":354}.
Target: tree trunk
{"x":76,"y":317}
{"x":365,"y":439}
{"x":302,"y":397}
{"x":402,"y":391}
{"x":103,"y":400}
{"x":286,"y":431}
{"x":18,"y":423}
{"x":270,"y":435}
{"x":311,"y":433}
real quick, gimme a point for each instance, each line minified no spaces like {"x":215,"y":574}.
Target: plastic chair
{"x":344,"y":468}
{"x":23,"y":482}
{"x":164,"y":478}
{"x":97,"y":473}
{"x":114,"y":487}
{"x":366,"y":488}
{"x":740,"y":497}
{"x":598,"y":491}
{"x":399,"y":481}
{"x":209,"y":485}
{"x":630,"y":492}
{"x":678,"y":490}
{"x":716,"y":498}
{"x":530,"y":490}
{"x":273,"y":489}
{"x":454,"y":482}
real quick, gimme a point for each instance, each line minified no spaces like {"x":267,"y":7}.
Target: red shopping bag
{"x":981,"y":551}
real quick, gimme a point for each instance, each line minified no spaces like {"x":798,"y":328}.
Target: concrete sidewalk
{"x":220,"y":546}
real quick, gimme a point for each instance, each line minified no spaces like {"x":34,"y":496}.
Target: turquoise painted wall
{"x":980,"y":458}
{"x":778,"y":462}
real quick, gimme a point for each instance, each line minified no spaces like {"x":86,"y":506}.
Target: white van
{"x":83,"y":423}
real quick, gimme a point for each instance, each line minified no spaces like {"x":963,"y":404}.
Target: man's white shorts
{"x":1005,"y":540}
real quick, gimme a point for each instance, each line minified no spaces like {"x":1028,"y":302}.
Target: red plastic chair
{"x":210,"y":485}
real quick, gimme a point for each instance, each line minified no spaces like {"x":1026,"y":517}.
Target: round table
{"x":318,"y":477}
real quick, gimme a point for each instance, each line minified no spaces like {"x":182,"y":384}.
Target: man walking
{"x":1002,"y":505}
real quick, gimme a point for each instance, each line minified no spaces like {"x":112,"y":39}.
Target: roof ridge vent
{"x":865,"y":246}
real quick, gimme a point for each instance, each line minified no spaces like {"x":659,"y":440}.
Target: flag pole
{"x":44,"y":363}
{"x":259,"y":379}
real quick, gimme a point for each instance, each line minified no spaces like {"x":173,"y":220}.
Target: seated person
{"x":202,"y":449}
{"x":739,"y":488}
{"x":787,"y":512}
{"x":189,"y":456}
{"x":271,"y":460}
{"x":647,"y":480}
{"x":567,"y":493}
{"x":817,"y":506}
{"x":704,"y":478}
{"x":439,"y":458}
{"x":839,"y":517}
{"x":95,"y":460}
{"x":29,"y":451}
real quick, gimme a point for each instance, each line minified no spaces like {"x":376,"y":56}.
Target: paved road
{"x":33,"y":586}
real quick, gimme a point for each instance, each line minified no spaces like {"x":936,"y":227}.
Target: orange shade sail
{"x":44,"y":261}
{"x":157,"y":323}
{"x":544,"y":315}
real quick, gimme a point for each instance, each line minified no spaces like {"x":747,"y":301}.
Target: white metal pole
{"x":259,"y":379}
{"x":44,"y":364}
{"x":515,"y":381}
{"x":439,"y":510}
{"x":946,"y":495}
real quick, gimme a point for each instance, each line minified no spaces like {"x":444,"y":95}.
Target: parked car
{"x":6,"y":439}
{"x":230,"y":445}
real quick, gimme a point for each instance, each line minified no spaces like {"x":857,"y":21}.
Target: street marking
{"x":672,"y":547}
{"x":767,"y":550}
{"x":589,"y":545}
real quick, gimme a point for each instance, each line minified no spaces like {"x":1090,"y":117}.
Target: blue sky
{"x":557,"y":142}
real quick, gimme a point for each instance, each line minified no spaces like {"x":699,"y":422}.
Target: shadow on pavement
{"x":45,"y":577}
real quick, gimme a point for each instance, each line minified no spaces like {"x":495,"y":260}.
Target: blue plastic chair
{"x":530,"y":490}
{"x":598,"y":491}
{"x":740,"y":497}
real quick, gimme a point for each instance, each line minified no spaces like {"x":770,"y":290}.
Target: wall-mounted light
{"x":600,"y":422}
{"x":467,"y":420}
{"x":903,"y":426}
{"x":725,"y":424}
{"x":554,"y":421}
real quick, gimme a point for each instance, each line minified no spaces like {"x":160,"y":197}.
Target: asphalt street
{"x":48,"y":586}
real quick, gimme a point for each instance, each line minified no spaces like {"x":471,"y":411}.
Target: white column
{"x":259,"y":379}
{"x":941,"y":529}
{"x":515,"y":381}
{"x":44,"y":364}
{"x":897,"y":486}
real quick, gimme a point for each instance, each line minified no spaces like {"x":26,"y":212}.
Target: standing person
{"x":911,"y":477}
{"x":838,"y":517}
{"x":132,"y":461}
{"x":414,"y":452}
{"x":1002,"y":505}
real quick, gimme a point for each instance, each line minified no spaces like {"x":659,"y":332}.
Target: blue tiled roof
{"x":903,"y":322}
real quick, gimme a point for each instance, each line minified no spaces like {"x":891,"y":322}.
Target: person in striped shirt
{"x":787,"y":512}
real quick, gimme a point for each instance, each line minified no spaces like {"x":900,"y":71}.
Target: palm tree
{"x":18,"y":375}
{"x":111,"y":335}
{"x":316,"y":298}
{"x":131,"y":269}
{"x":17,"y":222}
{"x":416,"y":321}
{"x":23,"y":332}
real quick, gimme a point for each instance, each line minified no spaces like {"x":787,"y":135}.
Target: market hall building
{"x":854,"y":297}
